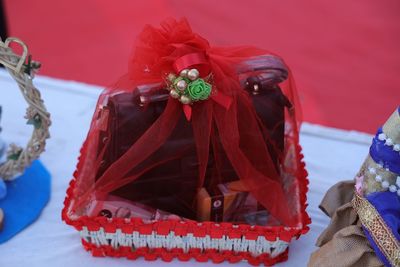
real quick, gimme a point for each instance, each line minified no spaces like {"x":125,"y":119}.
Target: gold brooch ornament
{"x":188,"y":87}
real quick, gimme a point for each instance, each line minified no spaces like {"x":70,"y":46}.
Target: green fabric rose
{"x":199,"y":90}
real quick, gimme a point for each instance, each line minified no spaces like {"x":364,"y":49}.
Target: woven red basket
{"x":132,"y":238}
{"x":113,"y":163}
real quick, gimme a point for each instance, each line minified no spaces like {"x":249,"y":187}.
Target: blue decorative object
{"x":384,"y":154}
{"x":3,"y":189}
{"x":27,"y":196}
{"x":387,"y":205}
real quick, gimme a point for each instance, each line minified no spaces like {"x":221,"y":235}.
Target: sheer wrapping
{"x":221,"y":132}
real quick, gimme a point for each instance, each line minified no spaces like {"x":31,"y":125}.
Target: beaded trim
{"x":385,"y":184}
{"x":376,"y":226}
{"x":389,"y":142}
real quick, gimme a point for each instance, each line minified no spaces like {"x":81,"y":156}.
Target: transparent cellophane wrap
{"x":225,"y":172}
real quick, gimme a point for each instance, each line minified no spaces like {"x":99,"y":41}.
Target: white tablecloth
{"x":330,"y":154}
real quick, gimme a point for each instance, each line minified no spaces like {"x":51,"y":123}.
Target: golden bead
{"x":193,"y":74}
{"x":181,"y":85}
{"x":184,"y":73}
{"x":171,"y":77}
{"x":185,"y":100}
{"x":174,"y":94}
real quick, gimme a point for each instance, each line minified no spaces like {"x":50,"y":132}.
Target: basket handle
{"x":22,"y":69}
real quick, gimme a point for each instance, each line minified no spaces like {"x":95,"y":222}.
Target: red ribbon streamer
{"x":199,"y":61}
{"x":196,"y":60}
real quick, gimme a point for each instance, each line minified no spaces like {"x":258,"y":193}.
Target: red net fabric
{"x":142,"y":147}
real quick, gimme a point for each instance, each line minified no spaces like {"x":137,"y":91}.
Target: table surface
{"x":330,"y":154}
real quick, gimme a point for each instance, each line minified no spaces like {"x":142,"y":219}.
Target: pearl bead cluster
{"x":385,"y":184}
{"x":389,"y":142}
{"x":177,"y":90}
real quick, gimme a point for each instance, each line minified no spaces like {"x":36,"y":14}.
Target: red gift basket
{"x":194,"y":153}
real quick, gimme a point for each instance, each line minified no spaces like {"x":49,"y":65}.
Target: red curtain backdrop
{"x":344,"y":54}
